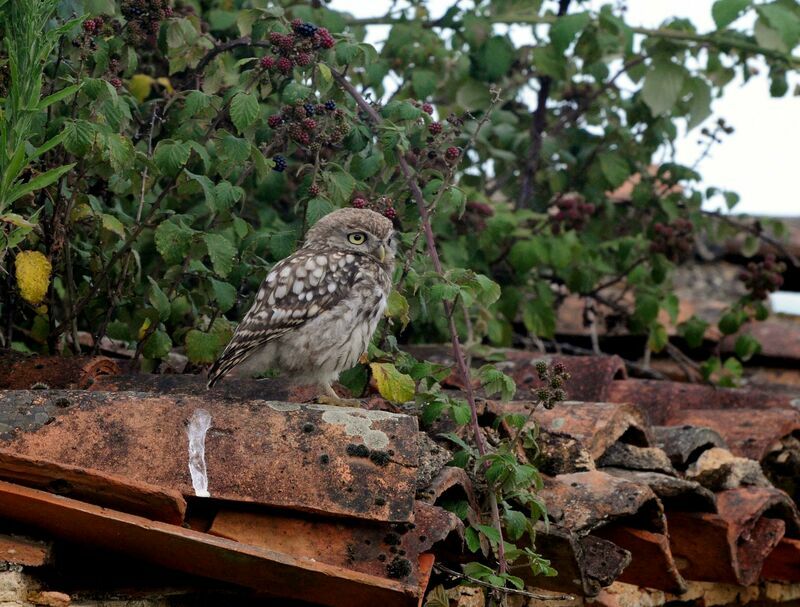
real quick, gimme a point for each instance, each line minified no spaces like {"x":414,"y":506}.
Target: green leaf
{"x":730,"y":322}
{"x":196,"y":101}
{"x":424,"y":82}
{"x":746,"y":347}
{"x":339,"y":185}
{"x":472,"y":539}
{"x":78,"y":136}
{"x":662,"y":86}
{"x":700,"y":104}
{"x":317,"y":209}
{"x":516,"y":524}
{"x":490,"y":532}
{"x":461,"y":412}
{"x":58,"y":96}
{"x":364,"y":168}
{"x":173,"y":240}
{"x":565,"y":28}
{"x":494,"y":58}
{"x":527,"y":254}
{"x":614,"y":167}
{"x":202,"y":348}
{"x":495,"y":381}
{"x":112,"y":224}
{"x":397,"y":307}
{"x":473,"y":95}
{"x":726,"y":12}
{"x":157,"y":345}
{"x":244,"y":110}
{"x":208,"y":188}
{"x":221,"y":251}
{"x":226,"y":195}
{"x":393,"y":385}
{"x":693,"y":331}
{"x":224,"y":294}
{"x":42,"y":180}
{"x":658,"y":338}
{"x":159,"y":300}
{"x":170,"y":156}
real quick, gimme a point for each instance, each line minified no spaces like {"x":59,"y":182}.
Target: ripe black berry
{"x":307,"y":30}
{"x":309,"y":108}
{"x":330,"y":105}
{"x":280,"y":164}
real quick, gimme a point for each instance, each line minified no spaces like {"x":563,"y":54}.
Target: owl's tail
{"x":231,"y":357}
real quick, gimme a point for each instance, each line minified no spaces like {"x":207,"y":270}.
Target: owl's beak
{"x":381,"y":253}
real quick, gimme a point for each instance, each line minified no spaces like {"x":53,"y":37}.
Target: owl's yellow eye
{"x":357,"y":237}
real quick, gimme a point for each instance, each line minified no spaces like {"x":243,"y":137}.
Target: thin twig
{"x":458,"y":352}
{"x":532,"y":595}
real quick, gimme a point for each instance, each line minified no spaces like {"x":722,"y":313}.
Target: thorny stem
{"x":458,"y":352}
{"x":532,"y":595}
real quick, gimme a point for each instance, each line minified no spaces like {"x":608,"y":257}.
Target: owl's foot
{"x":331,"y":398}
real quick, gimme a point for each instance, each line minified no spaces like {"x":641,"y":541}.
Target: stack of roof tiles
{"x":656,"y":491}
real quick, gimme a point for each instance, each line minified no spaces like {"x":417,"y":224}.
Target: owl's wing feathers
{"x":296,"y":290}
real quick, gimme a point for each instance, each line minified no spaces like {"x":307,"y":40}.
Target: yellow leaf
{"x":143,"y":329}
{"x":33,"y":276}
{"x":140,"y":86}
{"x":393,"y":385}
{"x":163,"y":81}
{"x":397,"y":308}
{"x":81,"y":211}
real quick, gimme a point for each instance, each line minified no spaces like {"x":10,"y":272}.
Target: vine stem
{"x":458,"y":351}
{"x":532,"y":595}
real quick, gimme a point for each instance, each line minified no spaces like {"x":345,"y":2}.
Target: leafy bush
{"x":158,"y":159}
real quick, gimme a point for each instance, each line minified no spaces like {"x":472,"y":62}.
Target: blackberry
{"x":116,"y":82}
{"x":280,"y":163}
{"x":309,"y":108}
{"x":427,"y":108}
{"x":89,"y":26}
{"x":359,"y":203}
{"x":319,"y":109}
{"x":306,"y":30}
{"x":267,"y":62}
{"x":275,"y":121}
{"x":314,"y":189}
{"x":310,"y":124}
{"x":452,"y":153}
{"x":390,"y":213}
{"x":323,"y":38}
{"x":330,"y":105}
{"x":435,"y":128}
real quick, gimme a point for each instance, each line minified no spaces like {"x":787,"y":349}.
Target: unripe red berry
{"x":435,"y":128}
{"x":267,"y":62}
{"x":304,"y":59}
{"x":390,"y":213}
{"x":89,"y":26}
{"x":359,"y":203}
{"x":314,"y":189}
{"x":427,"y":108}
{"x":275,"y":121}
{"x":284,"y":65}
{"x":310,"y":124}
{"x":116,"y":83}
{"x":452,"y":153}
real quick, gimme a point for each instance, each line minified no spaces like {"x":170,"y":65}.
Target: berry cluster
{"x":383,"y":205}
{"x":93,"y":26}
{"x":144,"y":18}
{"x":570,"y":212}
{"x":473,"y":219}
{"x":552,"y":379}
{"x":673,"y":240}
{"x":311,"y":124}
{"x":297,"y":48}
{"x":764,"y":277}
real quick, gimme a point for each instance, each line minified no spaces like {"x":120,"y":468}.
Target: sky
{"x":760,"y":160}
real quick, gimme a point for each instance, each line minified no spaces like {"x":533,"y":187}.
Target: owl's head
{"x":359,"y":230}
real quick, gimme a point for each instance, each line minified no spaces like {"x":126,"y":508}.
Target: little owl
{"x":316,"y":310}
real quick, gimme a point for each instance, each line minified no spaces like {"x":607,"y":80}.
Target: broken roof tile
{"x":202,"y":554}
{"x":50,"y":372}
{"x":330,"y":460}
{"x":684,"y":444}
{"x":747,"y":432}
{"x":662,"y":399}
{"x":102,"y":489}
{"x":674,"y":492}
{"x":24,"y":551}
